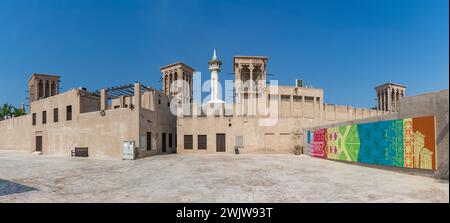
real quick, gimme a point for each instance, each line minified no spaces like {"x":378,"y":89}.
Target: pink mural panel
{"x":319,"y":143}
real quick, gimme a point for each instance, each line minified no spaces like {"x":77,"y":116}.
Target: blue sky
{"x":346,"y":47}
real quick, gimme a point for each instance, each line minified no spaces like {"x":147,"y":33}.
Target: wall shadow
{"x":9,"y":187}
{"x":397,"y":169}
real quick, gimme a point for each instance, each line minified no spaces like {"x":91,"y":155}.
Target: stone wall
{"x":103,"y":135}
{"x":276,"y":138}
{"x":436,"y":104}
{"x":15,"y":133}
{"x":430,"y":104}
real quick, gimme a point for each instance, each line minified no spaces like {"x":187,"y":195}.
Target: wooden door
{"x":220,"y":143}
{"x":149,"y":141}
{"x":38,"y":143}
{"x":164,"y":148}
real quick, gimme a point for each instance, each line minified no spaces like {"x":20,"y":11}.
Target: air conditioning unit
{"x":298,"y":83}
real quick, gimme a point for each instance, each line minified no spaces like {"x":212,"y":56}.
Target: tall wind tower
{"x":214,"y":68}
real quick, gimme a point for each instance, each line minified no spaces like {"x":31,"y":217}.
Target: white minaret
{"x":214,"y":68}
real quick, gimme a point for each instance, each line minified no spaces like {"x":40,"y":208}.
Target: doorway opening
{"x":38,"y":144}
{"x":220,"y":143}
{"x":164,"y":147}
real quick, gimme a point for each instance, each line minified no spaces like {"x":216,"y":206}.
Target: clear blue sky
{"x":346,"y":47}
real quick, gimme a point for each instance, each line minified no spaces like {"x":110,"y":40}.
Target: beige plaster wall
{"x":257,"y":138}
{"x":103,"y":135}
{"x":15,"y":133}
{"x":157,"y":119}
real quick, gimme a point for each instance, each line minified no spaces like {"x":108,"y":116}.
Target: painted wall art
{"x":408,"y":143}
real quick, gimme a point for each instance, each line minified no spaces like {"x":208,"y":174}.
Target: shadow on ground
{"x":8,"y":188}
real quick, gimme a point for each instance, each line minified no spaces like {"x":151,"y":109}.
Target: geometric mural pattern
{"x":408,"y":143}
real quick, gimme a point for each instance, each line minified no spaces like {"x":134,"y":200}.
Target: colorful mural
{"x":343,"y":143}
{"x":318,"y":143}
{"x":406,"y":143}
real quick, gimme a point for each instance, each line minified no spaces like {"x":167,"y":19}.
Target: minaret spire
{"x":214,"y":68}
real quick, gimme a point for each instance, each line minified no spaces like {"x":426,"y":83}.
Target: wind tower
{"x":389,"y":95}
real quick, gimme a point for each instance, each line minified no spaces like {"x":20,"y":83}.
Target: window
{"x":34,"y":118}
{"x":47,"y":90}
{"x":53,"y":89}
{"x":44,"y":117}
{"x":309,"y":99}
{"x":187,"y":141}
{"x":273,"y":97}
{"x":40,"y":90}
{"x":201,"y":142}
{"x":297,"y":98}
{"x":285,"y":97}
{"x":170,"y":140}
{"x":55,"y":115}
{"x":69,"y":112}
{"x":149,"y":141}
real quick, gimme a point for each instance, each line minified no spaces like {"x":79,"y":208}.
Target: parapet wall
{"x":333,"y":113}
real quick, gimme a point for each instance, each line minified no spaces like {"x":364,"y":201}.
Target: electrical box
{"x":128,"y":150}
{"x":239,"y":141}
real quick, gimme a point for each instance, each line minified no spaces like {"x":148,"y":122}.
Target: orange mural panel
{"x":424,"y":142}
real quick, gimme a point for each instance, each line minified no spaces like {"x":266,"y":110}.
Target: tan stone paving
{"x":208,"y":178}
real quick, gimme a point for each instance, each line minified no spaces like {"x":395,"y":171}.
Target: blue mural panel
{"x":381,"y":143}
